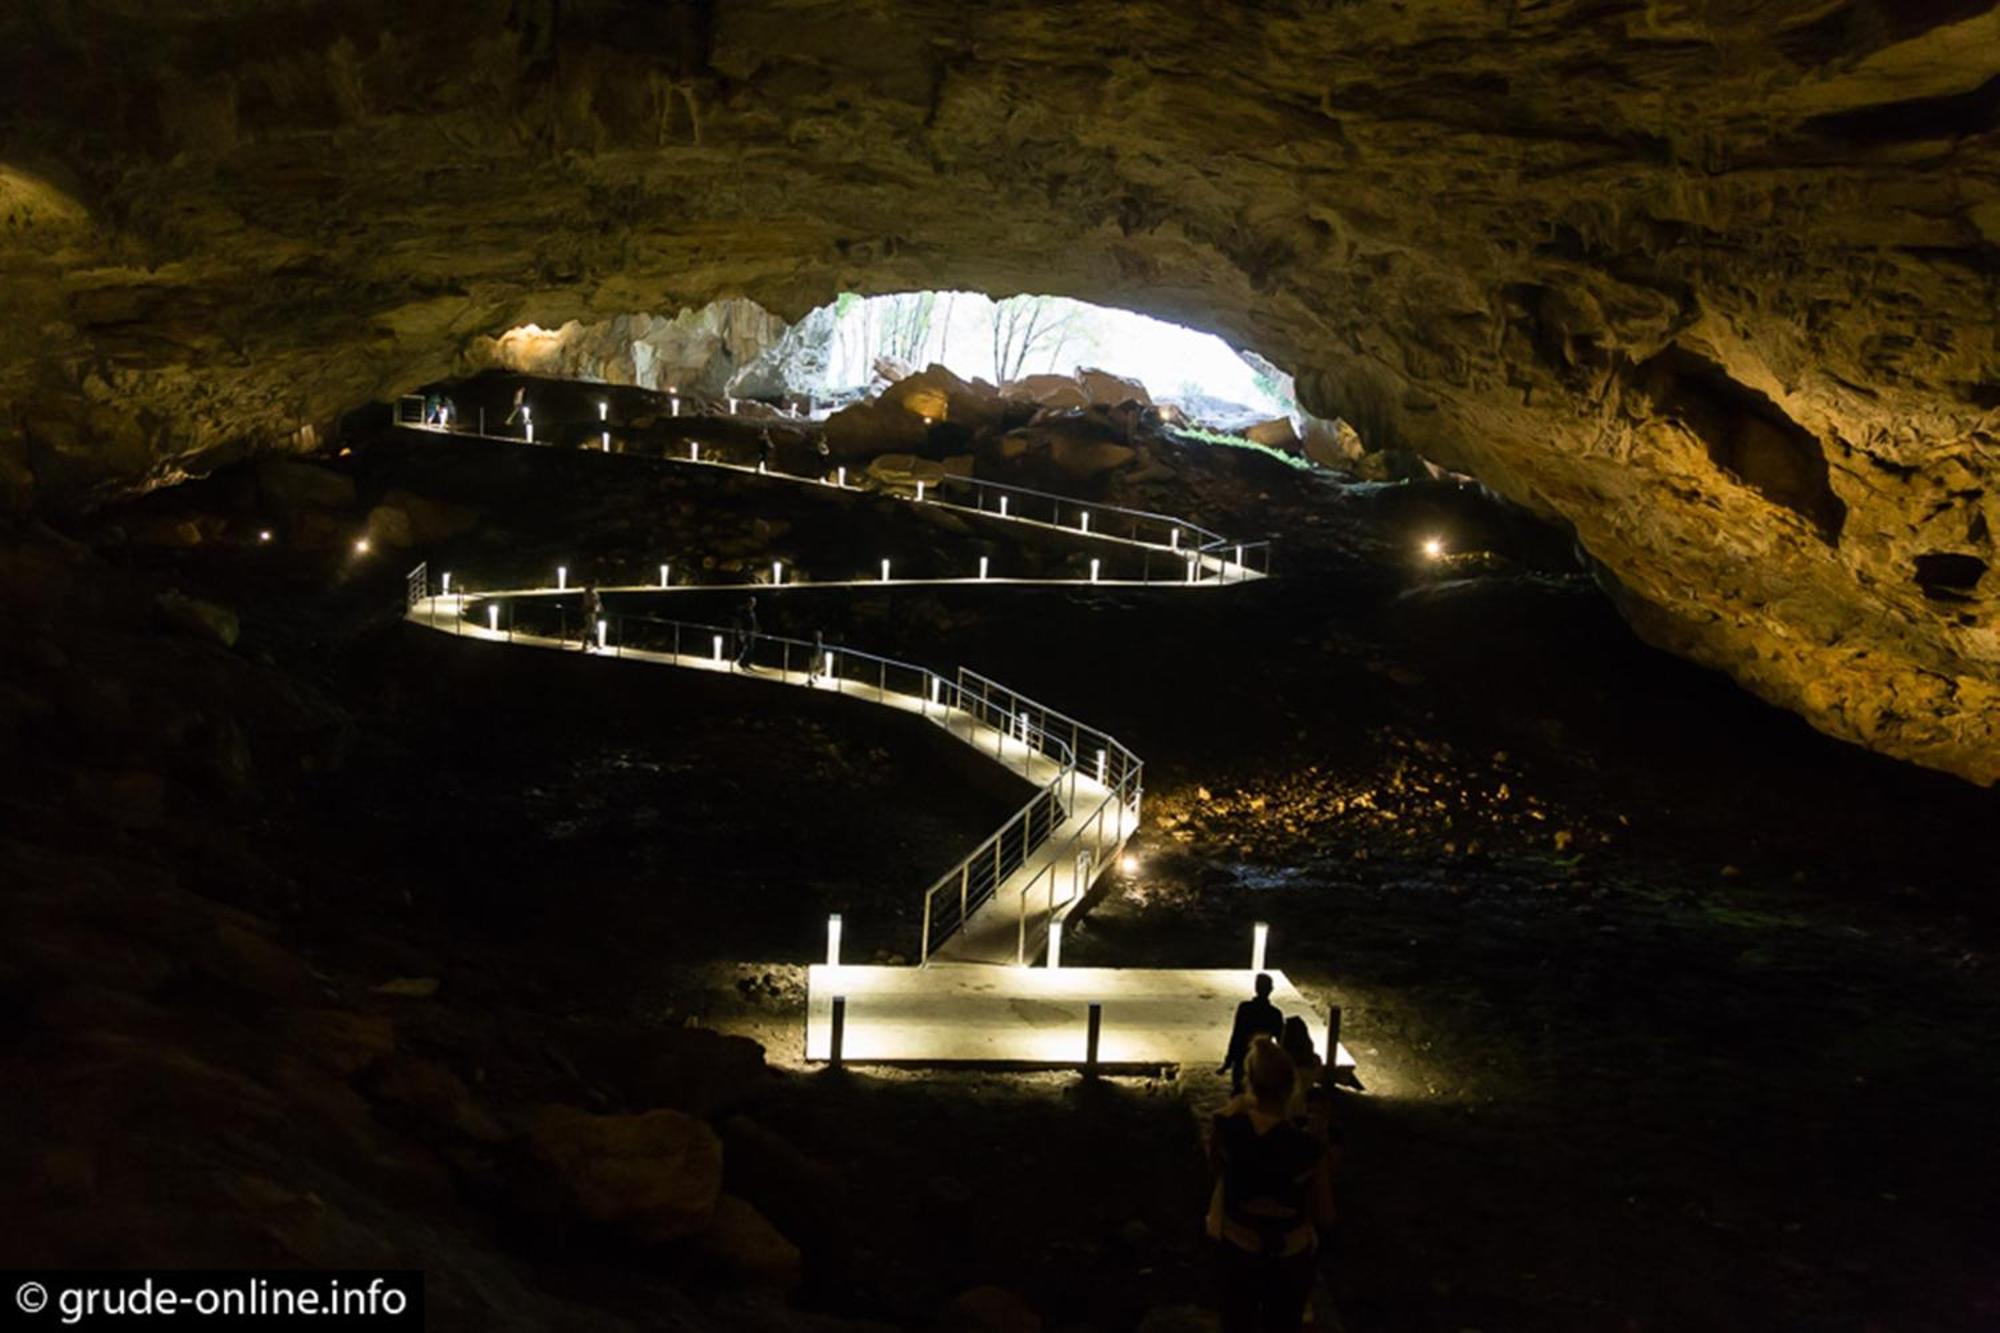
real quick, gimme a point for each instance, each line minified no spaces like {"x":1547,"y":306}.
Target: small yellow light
{"x":264,"y":535}
{"x":361,"y":546}
{"x":1129,"y":864}
{"x":1433,"y":548}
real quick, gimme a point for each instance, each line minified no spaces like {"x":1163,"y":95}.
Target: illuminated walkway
{"x":1175,"y":551}
{"x":976,"y":995}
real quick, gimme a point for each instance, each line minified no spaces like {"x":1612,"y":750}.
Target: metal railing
{"x":1204,"y":551}
{"x":1041,"y":744}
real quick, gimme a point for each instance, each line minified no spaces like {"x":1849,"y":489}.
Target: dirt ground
{"x":1670,"y":1013}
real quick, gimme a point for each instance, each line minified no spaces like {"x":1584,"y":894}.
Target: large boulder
{"x":1276,"y":433}
{"x":1332,"y":443}
{"x":404,"y":520}
{"x":1047,"y":391}
{"x":904,"y":471}
{"x":654,"y":1178}
{"x":1080,"y":459}
{"x":744,"y":1247}
{"x":286,"y":485}
{"x":1101,"y":386}
{"x":861,"y":429}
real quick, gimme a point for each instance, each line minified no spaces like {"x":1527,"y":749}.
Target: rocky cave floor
{"x":1670,"y":1012}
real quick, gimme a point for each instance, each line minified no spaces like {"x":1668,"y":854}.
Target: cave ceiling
{"x":1712,"y":281}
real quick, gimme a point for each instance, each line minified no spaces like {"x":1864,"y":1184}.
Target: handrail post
{"x":924,"y":955}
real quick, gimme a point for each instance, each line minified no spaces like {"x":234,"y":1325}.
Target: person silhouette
{"x":1254,"y":1016}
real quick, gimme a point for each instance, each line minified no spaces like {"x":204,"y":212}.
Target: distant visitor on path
{"x":1297,"y":1042}
{"x":1272,"y":1193}
{"x":520,"y":404}
{"x":746,"y":632}
{"x":1253,"y":1016}
{"x":818,"y":658}
{"x":593,"y":609}
{"x":764,"y":447}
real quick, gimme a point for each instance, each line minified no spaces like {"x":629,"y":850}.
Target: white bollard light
{"x":447,"y":584}
{"x":1093,"y":571}
{"x":562,"y":577}
{"x":732,"y":407}
{"x":1260,"y":936}
{"x":531,"y":432}
{"x":885,"y":571}
{"x":937,"y":688}
{"x":840,"y":476}
{"x":1003,"y":506}
{"x":603,"y":410}
{"x":663,"y":575}
{"x":1191,"y":569}
{"x":1055,"y":945}
{"x":1175,"y":543}
{"x":1085,"y":525}
{"x":674,"y":406}
{"x":718,"y":647}
{"x":920,"y":490}
{"x":827,"y":671}
{"x":777,"y":572}
{"x":493,"y":617}
{"x":1100,"y":765}
{"x":604,"y":438}
{"x":602,"y":627}
{"x":1239,"y":558}
{"x":982,"y":568}
{"x":833,"y":939}
{"x":694,"y":450}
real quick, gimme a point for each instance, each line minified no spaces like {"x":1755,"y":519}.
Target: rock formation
{"x":1713,"y":283}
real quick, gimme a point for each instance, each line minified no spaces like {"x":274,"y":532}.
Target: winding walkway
{"x":1005,"y":902}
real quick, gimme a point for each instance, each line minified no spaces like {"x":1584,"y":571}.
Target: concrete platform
{"x":1036,"y":1016}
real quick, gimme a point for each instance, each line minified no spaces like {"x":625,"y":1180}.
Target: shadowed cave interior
{"x":1611,"y":740}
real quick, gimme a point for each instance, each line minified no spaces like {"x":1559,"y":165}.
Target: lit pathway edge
{"x":1198,"y":556}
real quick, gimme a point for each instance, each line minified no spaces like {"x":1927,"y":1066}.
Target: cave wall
{"x":1713,"y":281}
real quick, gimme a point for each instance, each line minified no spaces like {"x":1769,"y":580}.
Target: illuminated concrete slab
{"x":972,"y":1014}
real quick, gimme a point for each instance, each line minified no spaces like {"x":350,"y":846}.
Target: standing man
{"x":1254,"y":1016}
{"x":764,"y":449}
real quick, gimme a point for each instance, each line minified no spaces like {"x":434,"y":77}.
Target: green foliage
{"x":1238,"y":442}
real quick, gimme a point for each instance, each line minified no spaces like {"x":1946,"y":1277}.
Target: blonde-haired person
{"x":1272,"y":1192}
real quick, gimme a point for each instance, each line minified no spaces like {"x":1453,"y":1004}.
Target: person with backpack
{"x":1253,"y":1016}
{"x":1272,"y":1193}
{"x":593,"y":610}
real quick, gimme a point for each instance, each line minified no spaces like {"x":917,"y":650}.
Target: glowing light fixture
{"x":493,"y":617}
{"x":826,"y":668}
{"x":1239,"y":557}
{"x":920,"y":490}
{"x":1100,"y":765}
{"x":777,"y":571}
{"x":1003,"y":506}
{"x":1129,"y":864}
{"x":982,"y":568}
{"x":603,"y":410}
{"x":663,"y":574}
{"x":1175,"y":543}
{"x":694,"y":450}
{"x":674,"y":406}
{"x":732,"y":407}
{"x":833,"y":939}
{"x":447,"y":584}
{"x":1093,"y":570}
{"x":562,"y":577}
{"x":361,"y":546}
{"x":1084,"y":525}
{"x":605,"y":439}
{"x":1260,"y":939}
{"x":1192,"y":566}
{"x":1433,"y":548}
{"x":840,"y":476}
{"x":602,"y":627}
{"x":718,"y":647}
{"x":885,"y":570}
{"x":264,"y":535}
{"x":1055,"y":945}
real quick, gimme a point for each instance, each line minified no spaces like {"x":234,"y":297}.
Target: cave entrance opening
{"x":1045,"y":353}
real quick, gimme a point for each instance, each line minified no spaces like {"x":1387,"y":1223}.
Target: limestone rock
{"x":1711,"y":284}
{"x":743,"y":1245}
{"x":904,"y":471}
{"x":285,"y":485}
{"x":1047,"y":391}
{"x":1081,"y":460}
{"x":655,"y":1177}
{"x":861,"y":429}
{"x":406,"y":520}
{"x":199,"y":617}
{"x":1101,"y":386}
{"x":1277,"y":433}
